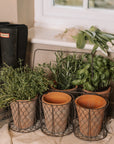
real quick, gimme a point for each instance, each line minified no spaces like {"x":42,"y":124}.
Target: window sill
{"x":38,"y":35}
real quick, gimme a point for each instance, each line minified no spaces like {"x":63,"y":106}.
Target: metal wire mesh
{"x":90,"y":123}
{"x":56,"y":120}
{"x":24,"y":116}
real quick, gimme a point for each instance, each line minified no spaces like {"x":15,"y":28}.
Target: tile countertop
{"x":49,"y":36}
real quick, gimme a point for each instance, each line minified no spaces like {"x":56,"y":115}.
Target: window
{"x":106,"y":4}
{"x":69,"y":2}
{"x":68,"y":13}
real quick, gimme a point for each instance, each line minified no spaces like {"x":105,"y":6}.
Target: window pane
{"x":107,"y":4}
{"x":69,"y":2}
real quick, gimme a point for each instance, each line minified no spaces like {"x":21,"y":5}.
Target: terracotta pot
{"x":90,"y":109}
{"x":105,"y":93}
{"x":72,"y":91}
{"x":23,"y":113}
{"x":56,"y":106}
{"x":67,"y":90}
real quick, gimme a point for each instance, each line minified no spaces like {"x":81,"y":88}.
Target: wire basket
{"x":90,"y":120}
{"x":56,"y":117}
{"x":24,"y":116}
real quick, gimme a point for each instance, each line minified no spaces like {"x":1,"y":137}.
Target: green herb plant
{"x":21,"y":83}
{"x":96,"y":37}
{"x":63,"y":71}
{"x":95,"y":74}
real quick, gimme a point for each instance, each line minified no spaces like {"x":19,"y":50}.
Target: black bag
{"x":13,"y":43}
{"x":2,"y":24}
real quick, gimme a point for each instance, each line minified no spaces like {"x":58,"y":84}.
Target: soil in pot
{"x":90,"y":109}
{"x":104,"y":93}
{"x":23,"y":113}
{"x":56,"y":107}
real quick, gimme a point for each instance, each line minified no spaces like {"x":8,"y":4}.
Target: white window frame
{"x":47,"y":15}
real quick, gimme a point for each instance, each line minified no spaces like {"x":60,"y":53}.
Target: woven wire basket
{"x":25,"y":116}
{"x":56,"y":120}
{"x":90,"y":123}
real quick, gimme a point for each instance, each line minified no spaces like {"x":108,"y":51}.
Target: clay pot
{"x":23,"y":113}
{"x":90,"y":109}
{"x":56,"y":107}
{"x":72,"y":91}
{"x":105,"y":93}
{"x":67,"y":90}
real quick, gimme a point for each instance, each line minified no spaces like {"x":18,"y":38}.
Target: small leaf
{"x":110,"y":36}
{"x":88,"y":86}
{"x":80,"y":41}
{"x":76,"y":82}
{"x":94,"y":49}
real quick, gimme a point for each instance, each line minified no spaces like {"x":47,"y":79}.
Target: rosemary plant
{"x":63,"y":71}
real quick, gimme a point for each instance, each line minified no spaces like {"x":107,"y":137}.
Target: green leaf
{"x":87,"y":66}
{"x":109,"y":36}
{"x":88,"y":86}
{"x":80,"y":41}
{"x":102,"y":76}
{"x":94,"y":49}
{"x":95,"y":77}
{"x":94,"y":29}
{"x":76,"y":82}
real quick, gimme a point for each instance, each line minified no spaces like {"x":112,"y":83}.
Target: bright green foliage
{"x":94,"y":36}
{"x":95,"y":73}
{"x":64,"y":70}
{"x":21,"y":83}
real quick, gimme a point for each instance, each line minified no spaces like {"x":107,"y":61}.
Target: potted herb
{"x":63,"y":71}
{"x":96,"y":37}
{"x":95,"y":74}
{"x":19,"y":88}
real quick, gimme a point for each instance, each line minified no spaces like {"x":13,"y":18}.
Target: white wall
{"x":8,"y":10}
{"x":17,"y":11}
{"x":25,"y":10}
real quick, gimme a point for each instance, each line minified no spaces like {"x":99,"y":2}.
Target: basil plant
{"x":95,"y":73}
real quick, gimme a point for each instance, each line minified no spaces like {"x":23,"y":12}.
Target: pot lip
{"x":34,"y":99}
{"x":100,"y":92}
{"x":64,"y":103}
{"x":101,"y":107}
{"x":65,"y":89}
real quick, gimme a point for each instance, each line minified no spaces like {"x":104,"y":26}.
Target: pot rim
{"x":65,"y":89}
{"x":34,"y":99}
{"x":100,"y":92}
{"x":58,"y":104}
{"x":100,"y":107}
